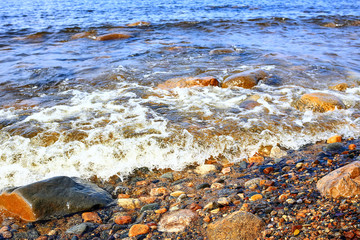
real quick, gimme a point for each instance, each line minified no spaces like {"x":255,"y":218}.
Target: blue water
{"x":84,"y":107}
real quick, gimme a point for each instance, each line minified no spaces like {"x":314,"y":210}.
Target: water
{"x":81,"y":107}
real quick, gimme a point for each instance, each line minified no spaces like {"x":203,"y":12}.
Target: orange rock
{"x":256,"y":197}
{"x":160,"y":211}
{"x":352,"y":147}
{"x":247,"y":79}
{"x":123,"y":195}
{"x":156,"y":192}
{"x":141,"y":183}
{"x":268,"y":170}
{"x":283,"y":197}
{"x":112,"y":36}
{"x":195,"y":206}
{"x":319,"y":102}
{"x":91,"y":217}
{"x":147,"y":199}
{"x":342,"y":182}
{"x":138,"y":229}
{"x":339,"y":87}
{"x":256,"y":159}
{"x":140,"y":23}
{"x":334,"y":139}
{"x":207,"y":219}
{"x":18,"y":206}
{"x":189,"y":82}
{"x":271,"y":188}
{"x":43,"y":237}
{"x":82,"y":35}
{"x":122,"y":220}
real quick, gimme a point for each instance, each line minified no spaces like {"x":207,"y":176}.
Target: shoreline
{"x":284,"y":196}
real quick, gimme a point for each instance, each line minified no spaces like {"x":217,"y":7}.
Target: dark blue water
{"x":88,"y":107}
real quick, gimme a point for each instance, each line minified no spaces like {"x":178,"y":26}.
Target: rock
{"x":340,"y":87}
{"x":139,"y":24}
{"x":329,"y":25}
{"x":205,"y":169}
{"x":319,"y":102}
{"x":218,"y":51}
{"x":238,"y":225}
{"x":157,"y":192}
{"x":160,"y":211}
{"x":342,"y":182}
{"x":138,"y":229}
{"x":128,"y":203}
{"x":81,"y":228}
{"x":247,"y":79}
{"x":82,"y":35}
{"x":189,"y":82}
{"x":151,"y":206}
{"x":176,"y":221}
{"x":167,"y":175}
{"x":256,"y":159}
{"x":122,"y":220}
{"x":177,"y":193}
{"x":256,"y":197}
{"x":334,"y":139}
{"x":53,"y":197}
{"x":254,"y":181}
{"x":249,"y":104}
{"x":352,"y":147}
{"x":276,"y":152}
{"x":91,"y":217}
{"x":335,"y":147}
{"x":112,"y":36}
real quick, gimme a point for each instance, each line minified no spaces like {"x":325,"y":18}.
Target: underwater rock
{"x":218,"y":51}
{"x":247,"y":79}
{"x":318,"y":102}
{"x":53,"y":197}
{"x":140,"y":23}
{"x":189,"y":82}
{"x":112,"y":36}
{"x":176,"y":221}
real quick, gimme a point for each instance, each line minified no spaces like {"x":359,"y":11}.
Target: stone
{"x":112,"y":36}
{"x":256,"y":197}
{"x":249,"y":104}
{"x":187,"y":82}
{"x":177,"y":221}
{"x":82,"y":35}
{"x":139,"y":24}
{"x":319,"y":102}
{"x":247,"y":79}
{"x":205,"y":169}
{"x":91,"y":217}
{"x":167,"y":175}
{"x":157,"y":192}
{"x":352,"y":147}
{"x":81,"y":228}
{"x":151,"y":206}
{"x":177,"y":193}
{"x":256,"y":159}
{"x":226,"y":170}
{"x":218,"y":51}
{"x":54,"y":197}
{"x":342,"y":182}
{"x":252,"y":182}
{"x":138,"y":229}
{"x":334,"y":139}
{"x":276,"y":152}
{"x":340,"y":87}
{"x":160,"y":211}
{"x":128,"y":203}
{"x":237,"y":225}
{"x":337,"y":146}
{"x":122,"y":220}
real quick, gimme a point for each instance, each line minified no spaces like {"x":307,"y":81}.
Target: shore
{"x":280,"y":191}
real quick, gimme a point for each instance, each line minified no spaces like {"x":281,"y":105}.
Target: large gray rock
{"x":54,"y":197}
{"x":238,"y":225}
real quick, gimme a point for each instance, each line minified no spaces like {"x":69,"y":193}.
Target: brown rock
{"x":122,"y":195}
{"x":238,"y":225}
{"x":138,"y":229}
{"x":247,"y":79}
{"x":352,"y":147}
{"x":156,"y":192}
{"x":342,"y":182}
{"x":113,"y":36}
{"x":219,"y":51}
{"x":189,"y":82}
{"x":249,"y":104}
{"x":121,"y":220}
{"x":339,"y":87}
{"x":329,"y":25}
{"x":140,"y":23}
{"x":82,"y":35}
{"x":334,"y":139}
{"x":91,"y":217}
{"x":256,"y":159}
{"x":176,"y":221}
{"x":319,"y":102}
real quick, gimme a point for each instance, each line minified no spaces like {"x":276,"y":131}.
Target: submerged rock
{"x":238,"y":225}
{"x":340,"y":87}
{"x":189,"y":82}
{"x":342,"y":182}
{"x":247,"y":79}
{"x":82,"y":35}
{"x":319,"y":102}
{"x":140,"y":23}
{"x":176,"y":221}
{"x":54,"y":197}
{"x":218,"y":51}
{"x":112,"y":36}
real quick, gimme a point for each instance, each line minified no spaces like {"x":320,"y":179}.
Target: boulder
{"x":238,"y":225}
{"x":218,"y":51}
{"x":177,"y":221}
{"x":140,"y":23}
{"x":54,"y":197}
{"x":319,"y":102}
{"x":342,"y":182}
{"x":247,"y":79}
{"x":189,"y":82}
{"x":112,"y":36}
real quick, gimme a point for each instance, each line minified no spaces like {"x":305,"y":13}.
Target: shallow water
{"x":81,"y":107}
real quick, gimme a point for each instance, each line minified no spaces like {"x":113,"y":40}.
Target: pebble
{"x":157,"y":192}
{"x":177,"y":193}
{"x":252,"y":182}
{"x":128,"y":203}
{"x":91,"y":217}
{"x":138,"y":229}
{"x":176,"y":221}
{"x":334,"y":139}
{"x":151,"y":206}
{"x":205,"y":169}
{"x":290,"y":201}
{"x":168,"y":175}
{"x":256,"y":197}
{"x":122,"y":220}
{"x":202,"y":186}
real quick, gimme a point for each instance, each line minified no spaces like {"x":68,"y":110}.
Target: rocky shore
{"x":303,"y":194}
